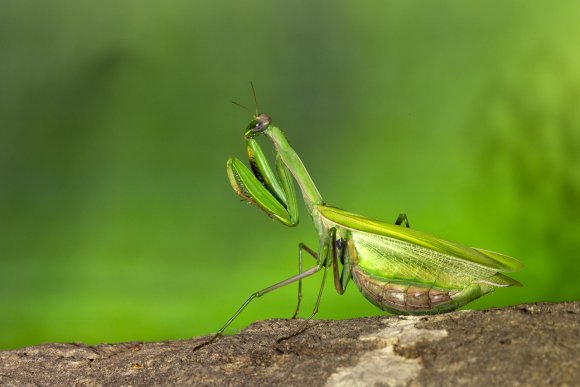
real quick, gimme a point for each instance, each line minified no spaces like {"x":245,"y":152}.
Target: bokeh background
{"x":117,"y":221}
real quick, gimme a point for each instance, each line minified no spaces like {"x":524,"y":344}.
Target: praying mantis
{"x":398,"y":269}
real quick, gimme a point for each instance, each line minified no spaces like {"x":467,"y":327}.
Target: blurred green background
{"x":117,"y":221}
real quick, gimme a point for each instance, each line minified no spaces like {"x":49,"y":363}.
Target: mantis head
{"x":260,"y":122}
{"x":258,"y":125}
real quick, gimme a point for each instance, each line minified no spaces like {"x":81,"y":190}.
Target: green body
{"x":398,"y":269}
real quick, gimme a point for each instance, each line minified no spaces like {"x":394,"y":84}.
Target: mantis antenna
{"x":240,"y":105}
{"x":255,"y":99}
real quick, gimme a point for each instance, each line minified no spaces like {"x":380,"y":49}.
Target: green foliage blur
{"x":117,"y":221}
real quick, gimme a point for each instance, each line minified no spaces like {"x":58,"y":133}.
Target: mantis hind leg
{"x":402,"y":218}
{"x":302,"y":247}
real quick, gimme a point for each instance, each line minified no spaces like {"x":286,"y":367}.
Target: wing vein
{"x":406,"y":261}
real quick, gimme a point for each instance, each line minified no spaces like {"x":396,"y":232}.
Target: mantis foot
{"x":206,"y":343}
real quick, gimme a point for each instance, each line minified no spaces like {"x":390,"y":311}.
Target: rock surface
{"x":532,"y":344}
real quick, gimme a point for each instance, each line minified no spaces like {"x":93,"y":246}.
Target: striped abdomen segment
{"x":414,"y":298}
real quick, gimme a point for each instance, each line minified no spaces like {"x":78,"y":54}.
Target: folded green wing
{"x":400,"y":261}
{"x":483,"y":258}
{"x":512,"y":263}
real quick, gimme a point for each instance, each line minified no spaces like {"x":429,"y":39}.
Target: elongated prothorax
{"x":290,"y":158}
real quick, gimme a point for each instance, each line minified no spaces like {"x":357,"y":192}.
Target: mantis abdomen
{"x":413,"y":298}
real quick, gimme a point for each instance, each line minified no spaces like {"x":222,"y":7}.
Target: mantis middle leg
{"x":324,"y":259}
{"x":302,"y":247}
{"x":260,"y":293}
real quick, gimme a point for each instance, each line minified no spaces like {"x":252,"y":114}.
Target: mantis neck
{"x":290,"y":158}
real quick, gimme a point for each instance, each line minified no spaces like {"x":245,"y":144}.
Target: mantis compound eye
{"x":258,"y":125}
{"x":262,"y":122}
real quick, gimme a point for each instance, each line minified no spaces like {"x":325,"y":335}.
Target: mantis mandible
{"x":398,"y":269}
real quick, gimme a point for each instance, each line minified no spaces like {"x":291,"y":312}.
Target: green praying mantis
{"x":398,"y":269}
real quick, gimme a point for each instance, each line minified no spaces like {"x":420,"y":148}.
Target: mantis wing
{"x":408,"y":254}
{"x":402,"y":261}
